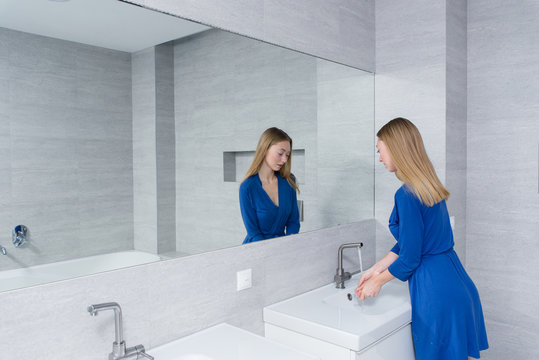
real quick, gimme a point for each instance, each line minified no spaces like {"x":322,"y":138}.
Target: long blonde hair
{"x":405,"y":146}
{"x":268,"y":138}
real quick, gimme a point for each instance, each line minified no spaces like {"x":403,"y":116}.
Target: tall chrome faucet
{"x":341,"y":276}
{"x":119,"y":350}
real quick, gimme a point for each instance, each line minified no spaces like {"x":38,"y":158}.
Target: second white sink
{"x":225,"y":342}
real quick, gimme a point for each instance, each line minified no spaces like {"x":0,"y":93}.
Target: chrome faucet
{"x":341,"y":276}
{"x":19,"y":236}
{"x":3,"y":250}
{"x":119,"y":350}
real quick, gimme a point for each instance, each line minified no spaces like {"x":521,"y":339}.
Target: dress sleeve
{"x":411,"y":229}
{"x":248,"y":214}
{"x":292,"y":224}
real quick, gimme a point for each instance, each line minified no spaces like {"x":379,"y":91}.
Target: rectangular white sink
{"x":225,"y":342}
{"x":338,"y":317}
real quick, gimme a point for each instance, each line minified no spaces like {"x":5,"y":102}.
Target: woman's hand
{"x":367,"y":275}
{"x":373,"y":279}
{"x":369,"y":288}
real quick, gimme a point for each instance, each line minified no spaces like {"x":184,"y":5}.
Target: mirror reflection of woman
{"x":268,"y":193}
{"x":447,"y":318}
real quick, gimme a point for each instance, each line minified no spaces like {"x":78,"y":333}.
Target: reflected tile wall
{"x":165,"y":148}
{"x":55,"y":316}
{"x":65,"y":148}
{"x":325,"y":107}
{"x":144,"y":151}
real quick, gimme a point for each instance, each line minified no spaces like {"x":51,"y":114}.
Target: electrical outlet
{"x":244,"y":279}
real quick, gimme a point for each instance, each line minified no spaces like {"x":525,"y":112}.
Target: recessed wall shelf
{"x":236,"y":164}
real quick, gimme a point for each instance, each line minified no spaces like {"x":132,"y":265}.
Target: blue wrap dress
{"x":262,"y":218}
{"x":447,"y":318}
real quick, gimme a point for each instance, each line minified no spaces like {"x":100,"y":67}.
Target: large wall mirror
{"x":124,"y":129}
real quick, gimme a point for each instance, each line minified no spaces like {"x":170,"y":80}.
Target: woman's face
{"x":385,"y":157}
{"x":277,"y":155}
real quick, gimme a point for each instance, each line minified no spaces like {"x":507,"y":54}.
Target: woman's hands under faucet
{"x":371,"y":290}
{"x":372,"y":280}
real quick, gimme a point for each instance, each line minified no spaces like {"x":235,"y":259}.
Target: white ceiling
{"x":106,"y":23}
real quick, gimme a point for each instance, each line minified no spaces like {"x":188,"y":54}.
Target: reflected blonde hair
{"x":405,"y":146}
{"x":268,"y":138}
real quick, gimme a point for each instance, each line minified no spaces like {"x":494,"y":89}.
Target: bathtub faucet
{"x":119,"y":350}
{"x":341,"y":276}
{"x":3,"y":250}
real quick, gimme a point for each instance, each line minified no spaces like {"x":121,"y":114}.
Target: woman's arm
{"x":411,"y":230}
{"x":292,"y":224}
{"x":378,"y":268}
{"x":248,"y":214}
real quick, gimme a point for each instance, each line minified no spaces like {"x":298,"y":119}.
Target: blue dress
{"x":447,"y":318}
{"x":262,"y":218}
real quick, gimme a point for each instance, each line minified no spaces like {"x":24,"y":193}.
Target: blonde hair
{"x":268,"y":138}
{"x":405,"y":146}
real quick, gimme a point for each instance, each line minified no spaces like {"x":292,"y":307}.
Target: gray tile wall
{"x":502,"y":198}
{"x":456,"y":100}
{"x":411,"y":83}
{"x":169,"y":299}
{"x":65,"y":159}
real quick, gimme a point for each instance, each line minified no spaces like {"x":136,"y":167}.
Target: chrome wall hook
{"x":19,"y":236}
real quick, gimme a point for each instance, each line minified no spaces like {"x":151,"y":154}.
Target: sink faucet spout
{"x":341,"y":276}
{"x":119,"y":349}
{"x":118,"y":327}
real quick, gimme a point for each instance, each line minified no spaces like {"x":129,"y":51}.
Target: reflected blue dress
{"x":447,"y":318}
{"x":262,"y":218}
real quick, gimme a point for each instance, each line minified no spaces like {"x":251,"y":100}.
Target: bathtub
{"x":41,"y":274}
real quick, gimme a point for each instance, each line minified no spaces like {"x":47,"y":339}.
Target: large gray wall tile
{"x":502,"y":198}
{"x":456,"y":100}
{"x":410,"y":83}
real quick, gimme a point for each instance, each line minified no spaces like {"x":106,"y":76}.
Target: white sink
{"x":225,"y":342}
{"x":337,"y":316}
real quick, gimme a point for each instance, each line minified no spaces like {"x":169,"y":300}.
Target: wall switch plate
{"x":452,"y":222}
{"x":244,"y":279}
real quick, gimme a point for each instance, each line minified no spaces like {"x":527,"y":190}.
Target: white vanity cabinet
{"x":332,"y":324}
{"x":397,"y":345}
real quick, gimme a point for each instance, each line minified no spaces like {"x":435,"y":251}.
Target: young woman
{"x":268,"y":199}
{"x":447,"y":318}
